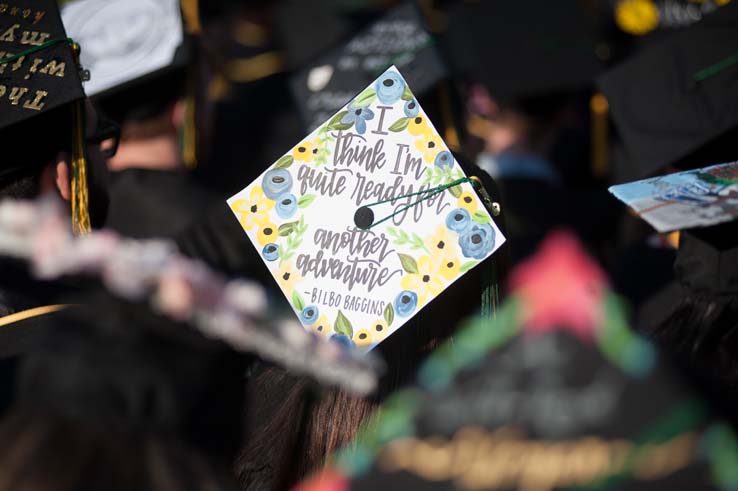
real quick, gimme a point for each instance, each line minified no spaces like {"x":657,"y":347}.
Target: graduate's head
{"x":139,"y":74}
{"x":46,"y":126}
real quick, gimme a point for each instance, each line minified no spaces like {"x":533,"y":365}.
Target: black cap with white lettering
{"x":38,"y":67}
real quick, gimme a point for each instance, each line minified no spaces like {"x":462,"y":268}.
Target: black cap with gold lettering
{"x":41,"y":98}
{"x":38,"y":70}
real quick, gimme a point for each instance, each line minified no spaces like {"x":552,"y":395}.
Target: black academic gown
{"x":25,"y":305}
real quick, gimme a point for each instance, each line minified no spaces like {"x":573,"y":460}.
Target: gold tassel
{"x":191,"y":14}
{"x":600,"y":136}
{"x":80,"y":198}
{"x":81,"y":224}
{"x":189,"y":133}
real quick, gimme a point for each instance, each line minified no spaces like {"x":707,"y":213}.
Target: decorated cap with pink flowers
{"x":555,"y":392}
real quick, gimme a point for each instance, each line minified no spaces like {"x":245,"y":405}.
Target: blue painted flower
{"x":358,"y":116}
{"x":286,"y":205}
{"x":405,"y":303}
{"x":477,"y":241}
{"x":309,"y":315}
{"x":411,"y":108}
{"x":276,"y":182}
{"x":389,"y":87}
{"x":270,"y":252}
{"x":342,"y":339}
{"x":444,"y":159}
{"x":458,"y":220}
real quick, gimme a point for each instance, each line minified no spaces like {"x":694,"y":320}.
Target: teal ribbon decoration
{"x":716,"y":68}
{"x":429,"y":193}
{"x":30,"y":51}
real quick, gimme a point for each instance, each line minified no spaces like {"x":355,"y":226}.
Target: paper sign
{"x":123,"y":40}
{"x":361,"y":285}
{"x":695,"y":198}
{"x":398,"y":38}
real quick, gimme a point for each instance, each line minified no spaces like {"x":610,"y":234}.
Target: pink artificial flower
{"x":326,"y":480}
{"x":560,"y":288}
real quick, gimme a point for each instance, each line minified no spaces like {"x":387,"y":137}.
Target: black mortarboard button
{"x":675,"y":103}
{"x":364,"y":218}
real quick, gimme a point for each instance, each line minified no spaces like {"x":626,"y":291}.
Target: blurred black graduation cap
{"x":136,"y":51}
{"x":525,"y":49}
{"x":549,"y":412}
{"x":398,"y":38}
{"x":38,"y":69}
{"x":675,"y":103}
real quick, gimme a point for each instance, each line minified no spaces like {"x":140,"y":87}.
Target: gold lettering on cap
{"x":13,"y":11}
{"x":16,"y":93}
{"x":3,"y":7}
{"x":9,"y":35}
{"x":33,"y":68}
{"x":36,"y":104}
{"x":34,"y":38}
{"x":3,"y":90}
{"x":54,"y":68}
{"x":26,"y":13}
{"x":39,"y":15}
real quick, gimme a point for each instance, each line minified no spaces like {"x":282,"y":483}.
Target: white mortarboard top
{"x":684,"y":200}
{"x":124,"y":40}
{"x":367,"y":219}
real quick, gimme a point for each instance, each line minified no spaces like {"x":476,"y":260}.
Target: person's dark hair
{"x":118,"y":398}
{"x":702,"y":328}
{"x":28,"y":147}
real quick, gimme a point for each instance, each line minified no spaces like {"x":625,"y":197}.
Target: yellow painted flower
{"x":430,"y":146}
{"x":322,"y":327}
{"x":637,"y":16}
{"x":449,"y":265}
{"x":418,"y":126}
{"x":439,"y":242}
{"x":253,"y":211}
{"x":287,"y":277}
{"x":305,"y":151}
{"x":466,"y":201}
{"x":379,"y":330}
{"x":363,"y":338}
{"x":267,"y":233}
{"x":427,"y":282}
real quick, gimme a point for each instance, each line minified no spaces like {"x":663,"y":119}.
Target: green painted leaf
{"x":284,"y":162}
{"x":408,"y":263}
{"x":287,"y":228}
{"x":305,"y":200}
{"x":455,"y":191}
{"x":297,"y":300}
{"x":481,"y":217}
{"x":408,"y":94}
{"x":399,"y":125}
{"x":467,"y":266}
{"x":341,"y":126}
{"x":343,"y":326}
{"x":389,"y":314}
{"x":365,"y":98}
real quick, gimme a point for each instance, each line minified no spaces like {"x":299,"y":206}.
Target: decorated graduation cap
{"x":684,"y":200}
{"x":126,"y":41}
{"x":155,"y":276}
{"x":399,"y":38}
{"x":675,"y":102}
{"x":41,"y":86}
{"x":652,"y":18}
{"x":525,"y":49}
{"x":369,"y":218}
{"x":554,"y":393}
